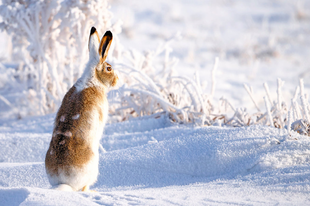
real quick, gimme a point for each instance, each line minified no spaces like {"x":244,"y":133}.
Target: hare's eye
{"x":109,"y":69}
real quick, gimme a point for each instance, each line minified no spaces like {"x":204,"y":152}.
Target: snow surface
{"x":155,"y":162}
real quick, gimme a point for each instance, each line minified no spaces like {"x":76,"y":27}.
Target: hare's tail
{"x":63,"y":187}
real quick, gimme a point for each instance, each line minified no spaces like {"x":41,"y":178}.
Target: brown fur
{"x":105,"y":76}
{"x":66,"y":151}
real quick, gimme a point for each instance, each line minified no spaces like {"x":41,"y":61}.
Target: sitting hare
{"x":72,"y":159}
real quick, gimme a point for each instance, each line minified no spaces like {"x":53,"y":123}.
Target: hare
{"x":72,"y":159}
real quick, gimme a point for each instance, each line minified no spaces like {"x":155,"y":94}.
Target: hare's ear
{"x":93,"y":43}
{"x":105,"y":44}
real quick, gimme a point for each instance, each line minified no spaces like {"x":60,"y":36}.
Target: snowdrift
{"x":154,"y":153}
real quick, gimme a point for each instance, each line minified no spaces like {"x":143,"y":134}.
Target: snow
{"x":156,"y":162}
{"x":186,"y":165}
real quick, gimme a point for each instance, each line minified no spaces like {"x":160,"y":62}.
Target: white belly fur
{"x":78,"y":177}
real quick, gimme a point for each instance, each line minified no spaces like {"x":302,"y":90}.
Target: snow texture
{"x":155,"y":162}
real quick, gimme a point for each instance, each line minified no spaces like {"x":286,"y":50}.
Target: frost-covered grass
{"x":49,"y":42}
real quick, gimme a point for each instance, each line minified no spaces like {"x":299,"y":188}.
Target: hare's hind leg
{"x":86,"y":189}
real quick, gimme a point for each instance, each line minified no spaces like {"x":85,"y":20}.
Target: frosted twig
{"x":6,"y":101}
{"x":196,"y":89}
{"x":289,"y":124}
{"x":227,"y":102}
{"x":296,"y":93}
{"x":296,"y":109}
{"x":144,"y":76}
{"x":303,"y":101}
{"x":267,"y":92}
{"x":162,"y":101}
{"x":190,"y":94}
{"x":279,"y":93}
{"x":268,"y":112}
{"x":300,"y":127}
{"x":251,"y":95}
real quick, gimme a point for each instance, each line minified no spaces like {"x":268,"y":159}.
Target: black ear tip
{"x":93,"y":29}
{"x":108,"y":33}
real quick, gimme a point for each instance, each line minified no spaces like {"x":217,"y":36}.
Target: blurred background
{"x":256,"y":41}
